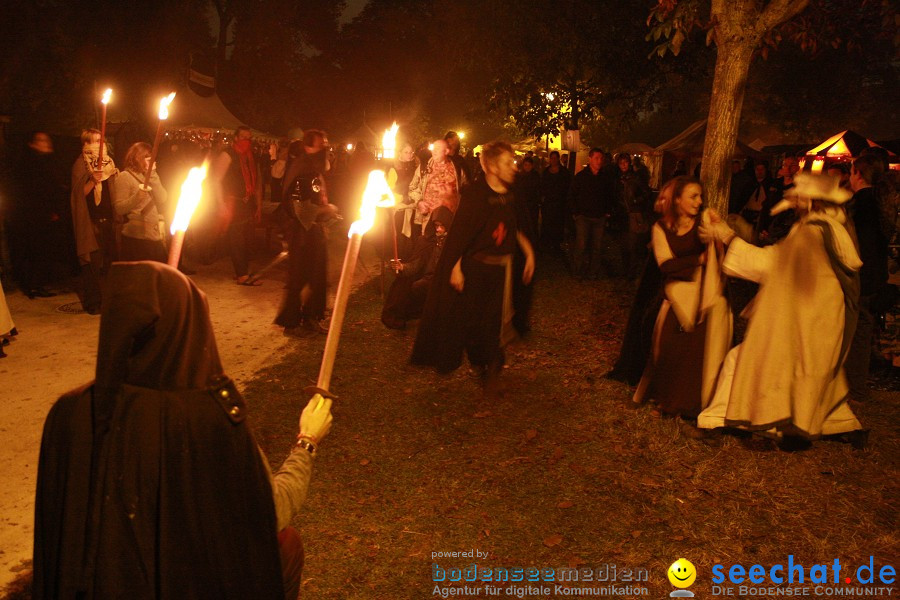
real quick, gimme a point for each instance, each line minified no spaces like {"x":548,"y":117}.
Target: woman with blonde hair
{"x":142,"y":232}
{"x":693,"y":327}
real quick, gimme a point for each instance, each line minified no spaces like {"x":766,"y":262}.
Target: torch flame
{"x":164,"y":106}
{"x":191,"y":192}
{"x":389,"y":141}
{"x":378,"y":194}
{"x":106,"y":96}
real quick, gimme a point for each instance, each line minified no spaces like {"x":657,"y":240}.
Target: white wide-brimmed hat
{"x":809,"y":186}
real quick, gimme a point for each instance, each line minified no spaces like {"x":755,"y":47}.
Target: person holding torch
{"x":142,"y":206}
{"x":150,"y":482}
{"x":92,"y":199}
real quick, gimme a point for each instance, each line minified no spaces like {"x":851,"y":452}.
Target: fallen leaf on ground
{"x":553,"y":540}
{"x":636,"y":533}
{"x":557,"y":454}
{"x":364,"y":461}
{"x":531,"y":434}
{"x":483,"y":414}
{"x":565,"y":504}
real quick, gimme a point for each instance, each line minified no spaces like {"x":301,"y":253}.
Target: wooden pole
{"x":337,"y":313}
{"x":154,"y":152}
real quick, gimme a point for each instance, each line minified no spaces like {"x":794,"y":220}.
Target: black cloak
{"x":150,"y":484}
{"x":450,"y":318}
{"x":637,"y":341}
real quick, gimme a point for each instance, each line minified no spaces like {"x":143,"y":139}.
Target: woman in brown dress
{"x":693,"y":328}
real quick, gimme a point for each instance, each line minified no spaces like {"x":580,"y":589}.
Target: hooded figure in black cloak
{"x":150,"y":483}
{"x":406,"y":296}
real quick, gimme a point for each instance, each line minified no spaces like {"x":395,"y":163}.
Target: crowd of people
{"x":139,"y":468}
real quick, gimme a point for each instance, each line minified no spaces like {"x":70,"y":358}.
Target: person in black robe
{"x":555,"y":183}
{"x":637,"y":340}
{"x":469,"y":307}
{"x":307,"y":210}
{"x":37,"y":205}
{"x":406,"y":296}
{"x":150,"y":483}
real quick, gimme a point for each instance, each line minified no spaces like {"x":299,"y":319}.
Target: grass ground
{"x":559,"y":473}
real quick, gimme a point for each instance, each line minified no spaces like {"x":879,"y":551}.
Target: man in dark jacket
{"x":634,"y":198}
{"x":591,"y":197}
{"x":873,"y":276}
{"x":239,"y":190}
{"x":555,"y":183}
{"x":38,"y":203}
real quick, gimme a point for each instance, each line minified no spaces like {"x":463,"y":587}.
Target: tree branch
{"x":779,"y":11}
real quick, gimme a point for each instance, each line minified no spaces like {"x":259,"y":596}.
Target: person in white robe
{"x":7,"y":326}
{"x":786,"y":378}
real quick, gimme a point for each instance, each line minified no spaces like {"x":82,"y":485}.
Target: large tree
{"x":265,"y":52}
{"x":743,"y":29}
{"x":575,"y":64}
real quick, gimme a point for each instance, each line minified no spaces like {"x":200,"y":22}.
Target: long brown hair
{"x":134,"y":158}
{"x":667,"y":206}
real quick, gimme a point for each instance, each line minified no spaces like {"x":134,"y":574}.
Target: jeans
{"x":239,"y":234}
{"x":584,"y":262}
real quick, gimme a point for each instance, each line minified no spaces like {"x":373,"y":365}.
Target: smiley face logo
{"x":682,"y":573}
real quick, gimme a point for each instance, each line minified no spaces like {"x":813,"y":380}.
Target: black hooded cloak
{"x":485,"y":226}
{"x":150,"y":484}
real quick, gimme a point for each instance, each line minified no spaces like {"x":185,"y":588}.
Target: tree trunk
{"x":729,"y":84}
{"x":740,"y":26}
